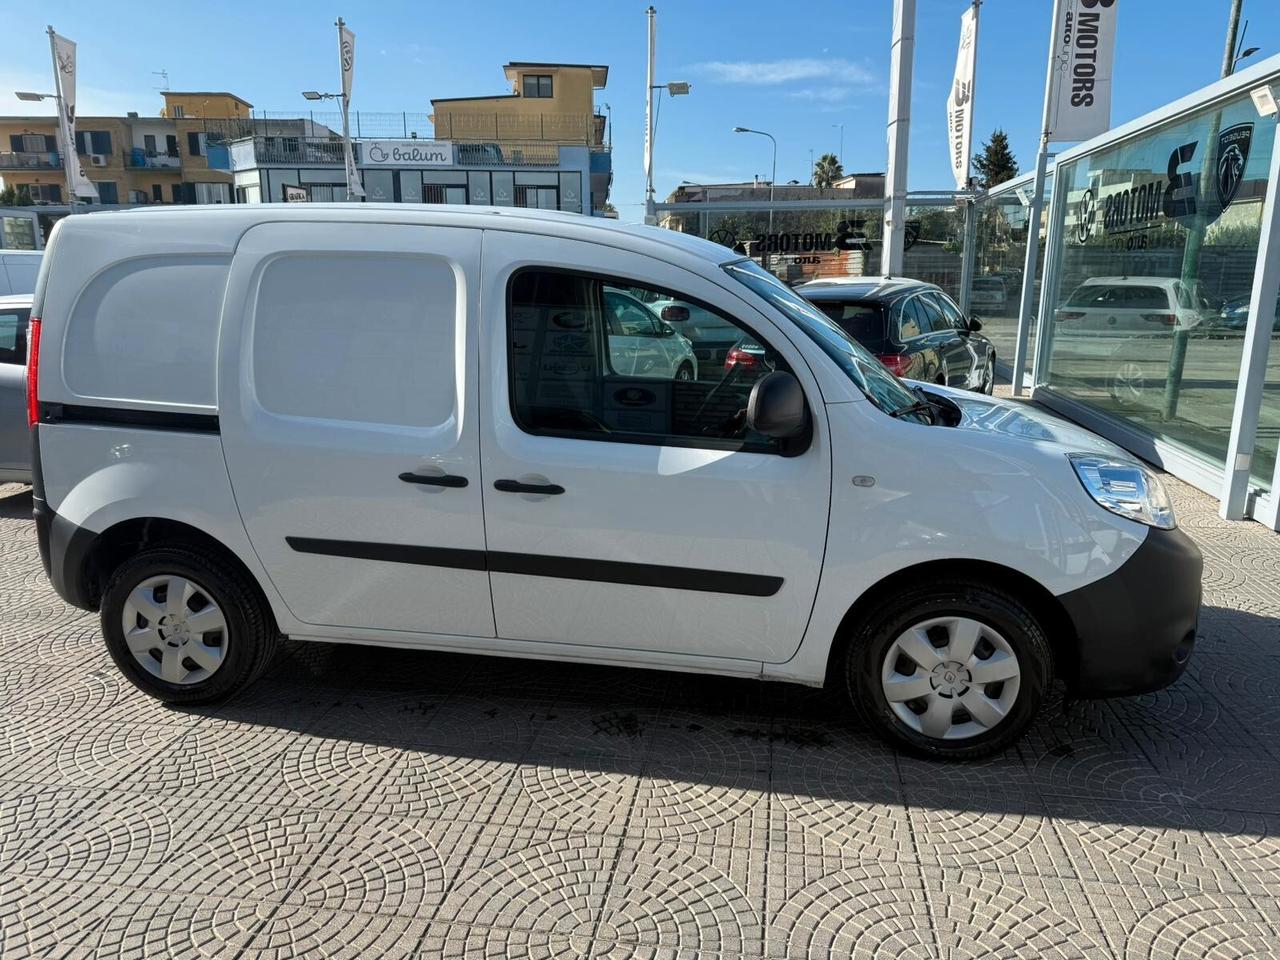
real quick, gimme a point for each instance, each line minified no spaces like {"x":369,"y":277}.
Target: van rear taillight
{"x":33,"y":371}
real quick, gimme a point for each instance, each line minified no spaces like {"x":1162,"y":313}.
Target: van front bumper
{"x":1136,"y":627}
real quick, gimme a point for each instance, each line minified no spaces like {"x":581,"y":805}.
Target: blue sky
{"x":749,"y":65}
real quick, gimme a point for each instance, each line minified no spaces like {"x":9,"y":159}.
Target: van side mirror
{"x":776,"y":407}
{"x":666,"y":331}
{"x":975,"y":323}
{"x":675,"y":314}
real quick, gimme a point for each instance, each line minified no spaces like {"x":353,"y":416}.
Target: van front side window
{"x":599,"y":358}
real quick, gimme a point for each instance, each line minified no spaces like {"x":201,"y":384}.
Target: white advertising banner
{"x":347,"y":58}
{"x":1084,"y":42}
{"x":960,"y":102}
{"x":407,"y":153}
{"x":64,"y":60}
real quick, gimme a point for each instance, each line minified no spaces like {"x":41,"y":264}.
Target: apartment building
{"x":542,"y":144}
{"x":178,"y":156}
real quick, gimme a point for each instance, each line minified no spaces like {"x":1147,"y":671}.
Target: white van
{"x":401,"y":425}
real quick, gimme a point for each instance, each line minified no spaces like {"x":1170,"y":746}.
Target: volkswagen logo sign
{"x":1086,"y":212}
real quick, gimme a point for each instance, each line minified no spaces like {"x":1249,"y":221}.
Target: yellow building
{"x":176,"y":157}
{"x":549,"y":102}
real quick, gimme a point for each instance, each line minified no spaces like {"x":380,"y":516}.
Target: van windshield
{"x":880,"y":386}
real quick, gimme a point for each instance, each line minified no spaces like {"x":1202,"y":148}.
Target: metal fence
{"x":30,"y":161}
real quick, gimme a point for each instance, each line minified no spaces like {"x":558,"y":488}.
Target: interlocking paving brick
{"x":360,"y":802}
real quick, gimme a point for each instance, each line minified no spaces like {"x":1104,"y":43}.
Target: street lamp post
{"x":773,"y":176}
{"x":69,"y":149}
{"x":678,"y":88}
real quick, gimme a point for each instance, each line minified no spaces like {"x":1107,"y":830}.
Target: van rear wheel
{"x":184,"y":627}
{"x":953,"y":670}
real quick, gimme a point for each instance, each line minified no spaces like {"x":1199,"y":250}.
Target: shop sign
{"x":406,"y":153}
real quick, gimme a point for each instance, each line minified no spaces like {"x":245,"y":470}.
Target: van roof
{"x":240,"y":216}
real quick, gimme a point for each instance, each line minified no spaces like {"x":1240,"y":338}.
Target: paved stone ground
{"x":375,"y":803}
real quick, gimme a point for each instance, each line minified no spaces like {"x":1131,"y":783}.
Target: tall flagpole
{"x":1033,"y":215}
{"x":346,"y":62}
{"x":68,"y":148}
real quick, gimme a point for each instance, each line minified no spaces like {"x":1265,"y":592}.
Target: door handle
{"x":443,"y":480}
{"x":515,"y":486}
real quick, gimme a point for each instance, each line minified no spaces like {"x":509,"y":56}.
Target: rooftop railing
{"x":23,"y":160}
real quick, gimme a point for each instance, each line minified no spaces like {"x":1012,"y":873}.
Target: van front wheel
{"x":953,"y":670}
{"x":184,"y":627}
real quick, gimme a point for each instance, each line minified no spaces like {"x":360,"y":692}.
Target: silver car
{"x":15,"y":439}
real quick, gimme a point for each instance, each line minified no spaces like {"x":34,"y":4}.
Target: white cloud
{"x":823,"y":94}
{"x":764,"y":72}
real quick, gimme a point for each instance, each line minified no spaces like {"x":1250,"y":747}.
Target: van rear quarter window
{"x":147,"y":329}
{"x":370,"y":338}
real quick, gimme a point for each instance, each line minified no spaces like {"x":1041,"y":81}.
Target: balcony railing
{"x":141,"y":159}
{"x":287,"y":151}
{"x":521,"y":153}
{"x":30,"y":161}
{"x":552,"y":127}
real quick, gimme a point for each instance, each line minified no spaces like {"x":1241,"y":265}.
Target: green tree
{"x":23,"y":198}
{"x":8,"y":196}
{"x":995,"y":164}
{"x":826,"y":171}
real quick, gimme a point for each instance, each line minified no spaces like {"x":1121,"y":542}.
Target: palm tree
{"x":827,"y":171}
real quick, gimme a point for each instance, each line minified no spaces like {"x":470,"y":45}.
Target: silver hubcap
{"x":174,"y":629}
{"x":950,"y":678}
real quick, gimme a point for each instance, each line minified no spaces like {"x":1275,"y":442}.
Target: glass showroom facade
{"x":1151,"y":239}
{"x":1156,"y":241}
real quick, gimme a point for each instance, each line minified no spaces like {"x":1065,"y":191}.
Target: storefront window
{"x":801,"y":245}
{"x":1000,"y":252}
{"x":1160,"y":240}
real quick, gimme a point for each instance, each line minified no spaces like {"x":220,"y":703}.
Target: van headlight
{"x":1125,"y":488}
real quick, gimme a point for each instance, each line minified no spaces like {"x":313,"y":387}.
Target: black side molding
{"x":128,"y":417}
{"x":392,"y":552}
{"x":561,"y":568}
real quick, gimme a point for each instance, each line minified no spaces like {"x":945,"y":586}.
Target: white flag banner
{"x":347,"y":54}
{"x":1084,"y":43}
{"x":347,"y":50}
{"x":960,"y":102}
{"x":64,"y":60}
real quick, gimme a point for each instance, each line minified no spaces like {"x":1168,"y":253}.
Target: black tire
{"x":989,"y":380}
{"x":870,"y":643}
{"x":686,"y":369}
{"x":250,"y":637}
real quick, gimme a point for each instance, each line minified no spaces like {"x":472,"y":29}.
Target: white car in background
{"x":988,"y":293}
{"x":641,"y":345}
{"x":18,"y":269}
{"x":1153,"y":306}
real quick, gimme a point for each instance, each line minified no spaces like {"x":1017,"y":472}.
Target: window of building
{"x":107,"y":191}
{"x":45,"y":192}
{"x":327,"y":192}
{"x":13,"y":335}
{"x":212,"y":192}
{"x":538,"y":198}
{"x":149,"y":144}
{"x":443,"y":193}
{"x":176,"y":189}
{"x":179,"y":112}
{"x":536,"y":85}
{"x":157,"y":193}
{"x":369,"y":338}
{"x":592,"y":358}
{"x":93,"y":141}
{"x":171,"y":144}
{"x":194,"y":146}
{"x":32,"y":143}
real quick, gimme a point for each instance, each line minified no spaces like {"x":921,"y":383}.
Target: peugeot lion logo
{"x":1233,"y":154}
{"x":1086,"y":210}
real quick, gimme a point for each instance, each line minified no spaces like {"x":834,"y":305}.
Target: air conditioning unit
{"x":98,"y":159}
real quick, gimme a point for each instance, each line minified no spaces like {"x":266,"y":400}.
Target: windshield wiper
{"x":920,"y":406}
